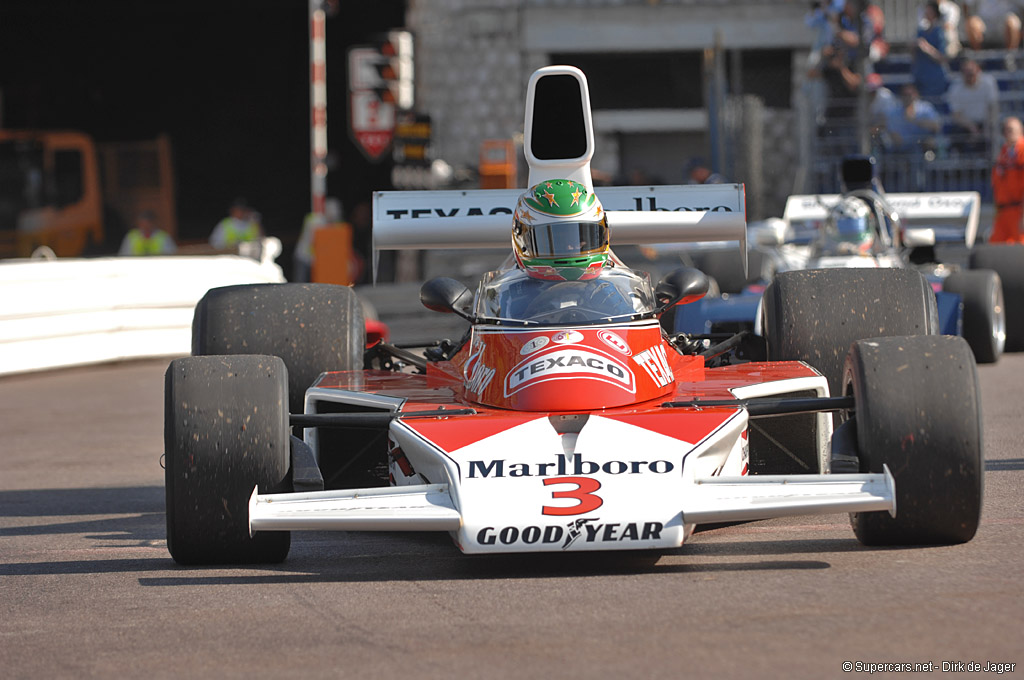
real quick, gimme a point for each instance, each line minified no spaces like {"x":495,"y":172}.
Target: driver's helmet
{"x":850,"y":227}
{"x":560,"y":232}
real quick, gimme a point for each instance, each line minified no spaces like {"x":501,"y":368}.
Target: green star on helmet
{"x":561,"y":198}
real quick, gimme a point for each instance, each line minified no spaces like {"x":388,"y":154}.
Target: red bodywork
{"x":508,"y":375}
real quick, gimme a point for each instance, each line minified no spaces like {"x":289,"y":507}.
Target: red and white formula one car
{"x":565,"y":419}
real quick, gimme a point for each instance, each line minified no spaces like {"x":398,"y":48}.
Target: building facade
{"x":670,"y":81}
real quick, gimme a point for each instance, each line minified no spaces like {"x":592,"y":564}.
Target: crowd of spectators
{"x":949,"y":105}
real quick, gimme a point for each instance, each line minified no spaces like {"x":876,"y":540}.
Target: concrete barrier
{"x":70,"y":312}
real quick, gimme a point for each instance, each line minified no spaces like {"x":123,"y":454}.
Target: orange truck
{"x":63,"y":190}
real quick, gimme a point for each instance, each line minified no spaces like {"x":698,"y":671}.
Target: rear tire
{"x":814,"y":315}
{"x":919,"y":412}
{"x":984,"y":311}
{"x":1007,"y":261}
{"x":225,"y":433}
{"x":313,"y":327}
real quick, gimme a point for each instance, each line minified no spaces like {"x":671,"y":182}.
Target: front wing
{"x":429,"y":507}
{"x":636,"y":477}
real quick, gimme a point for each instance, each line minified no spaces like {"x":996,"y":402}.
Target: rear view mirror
{"x":443,"y":294}
{"x":681,"y":287}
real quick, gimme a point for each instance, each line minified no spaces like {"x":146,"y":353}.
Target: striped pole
{"x":318,"y":105}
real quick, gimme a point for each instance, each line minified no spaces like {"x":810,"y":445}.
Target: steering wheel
{"x":592,"y":300}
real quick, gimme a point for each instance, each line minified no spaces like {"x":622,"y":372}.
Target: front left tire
{"x":226,"y":432}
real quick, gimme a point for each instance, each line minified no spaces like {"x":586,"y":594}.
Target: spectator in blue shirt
{"x":929,"y":64}
{"x":913,"y":125}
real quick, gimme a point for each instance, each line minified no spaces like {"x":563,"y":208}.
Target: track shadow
{"x":461,"y":575}
{"x":81,"y":511}
{"x":346,"y":557}
{"x":457,"y":567}
{"x":123,"y":566}
{"x":91,"y":501}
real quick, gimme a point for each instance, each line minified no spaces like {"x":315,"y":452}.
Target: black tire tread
{"x":313,"y":327}
{"x":1008,"y":261}
{"x":919,"y":412}
{"x":814,"y":315}
{"x":977,"y":288}
{"x":226,"y":431}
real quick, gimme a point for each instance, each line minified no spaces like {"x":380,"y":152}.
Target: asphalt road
{"x":87,"y":588}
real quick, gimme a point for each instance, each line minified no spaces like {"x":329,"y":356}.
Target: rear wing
{"x":558,"y":142}
{"x":950,"y":216}
{"x":427,"y":220}
{"x":483,"y":218}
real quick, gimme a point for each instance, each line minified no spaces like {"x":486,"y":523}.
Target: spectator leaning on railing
{"x":974,"y":107}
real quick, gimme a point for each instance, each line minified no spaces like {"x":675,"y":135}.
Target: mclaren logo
{"x":569,"y":362}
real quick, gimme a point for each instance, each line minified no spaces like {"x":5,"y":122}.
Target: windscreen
{"x":617,"y":294}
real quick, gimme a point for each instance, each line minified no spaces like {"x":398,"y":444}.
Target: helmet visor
{"x":563,"y":240}
{"x":852,"y":228}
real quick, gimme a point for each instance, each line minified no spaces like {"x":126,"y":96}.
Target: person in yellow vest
{"x":146,"y":238}
{"x":237,"y":227}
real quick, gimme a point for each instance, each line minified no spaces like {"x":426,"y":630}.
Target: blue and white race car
{"x":865,"y":228}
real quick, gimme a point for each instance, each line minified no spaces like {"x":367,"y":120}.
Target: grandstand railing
{"x":900,"y":20}
{"x":946,"y":162}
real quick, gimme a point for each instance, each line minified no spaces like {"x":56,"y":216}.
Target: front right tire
{"x":918,"y":411}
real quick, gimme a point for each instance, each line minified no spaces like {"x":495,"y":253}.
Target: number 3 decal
{"x":583,"y":493}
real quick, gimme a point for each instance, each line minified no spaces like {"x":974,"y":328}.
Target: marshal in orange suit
{"x":1008,"y":185}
